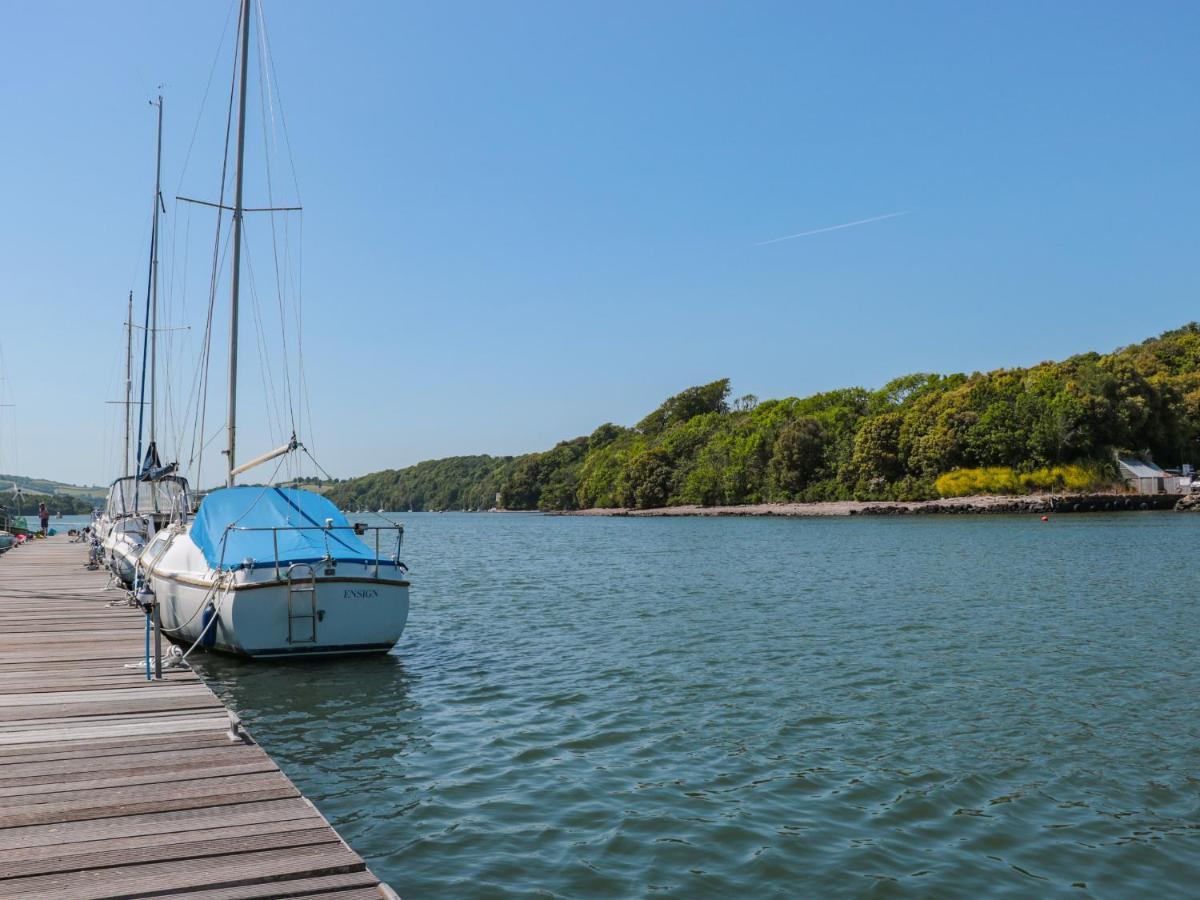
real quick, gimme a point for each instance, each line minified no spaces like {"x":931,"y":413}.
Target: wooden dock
{"x":115,"y":786}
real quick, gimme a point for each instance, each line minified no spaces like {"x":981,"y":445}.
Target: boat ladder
{"x":302,"y":604}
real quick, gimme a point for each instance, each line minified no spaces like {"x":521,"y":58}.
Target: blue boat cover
{"x":273,"y":507}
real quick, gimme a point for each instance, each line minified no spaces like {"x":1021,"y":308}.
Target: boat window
{"x":128,"y":496}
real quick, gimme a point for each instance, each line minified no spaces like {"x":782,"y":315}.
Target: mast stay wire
{"x":177,"y":288}
{"x":270,"y":396}
{"x":304,"y":402}
{"x":200,"y":382}
{"x":190,"y":414}
{"x":204,"y":100}
{"x":267,"y":106}
{"x":202,"y":360}
{"x":214,"y":278}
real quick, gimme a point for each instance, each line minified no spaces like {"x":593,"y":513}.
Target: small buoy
{"x":1045,"y":518}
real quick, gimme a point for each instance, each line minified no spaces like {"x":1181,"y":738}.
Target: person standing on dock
{"x":44,"y":515}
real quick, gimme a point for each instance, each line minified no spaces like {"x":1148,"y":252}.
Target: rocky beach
{"x":994,"y":504}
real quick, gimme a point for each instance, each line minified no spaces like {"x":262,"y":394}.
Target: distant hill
{"x":457,"y":482}
{"x":68,"y":499}
{"x":1052,"y":426}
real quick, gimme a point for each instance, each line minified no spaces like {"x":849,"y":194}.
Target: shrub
{"x":1003,"y":480}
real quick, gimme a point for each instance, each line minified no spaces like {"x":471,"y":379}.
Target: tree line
{"x":1053,"y":425}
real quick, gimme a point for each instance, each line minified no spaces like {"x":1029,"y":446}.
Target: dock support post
{"x":157,"y":643}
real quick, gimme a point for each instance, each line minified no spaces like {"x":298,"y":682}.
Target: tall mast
{"x":128,"y":379}
{"x":237,"y":243}
{"x":154,"y":277}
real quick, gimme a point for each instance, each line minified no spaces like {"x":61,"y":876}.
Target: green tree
{"x":648,"y":482}
{"x":876,"y":458}
{"x":798,"y":455}
{"x":695,"y":401}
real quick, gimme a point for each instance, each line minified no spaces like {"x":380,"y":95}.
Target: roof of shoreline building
{"x":1141,"y":469}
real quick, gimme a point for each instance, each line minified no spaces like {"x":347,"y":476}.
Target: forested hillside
{"x":458,"y":482}
{"x":69,"y":499}
{"x":1051,"y":426}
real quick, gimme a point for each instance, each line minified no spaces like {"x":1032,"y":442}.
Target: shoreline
{"x":977,"y":505}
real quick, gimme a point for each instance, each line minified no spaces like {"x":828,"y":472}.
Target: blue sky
{"x":524,"y":219}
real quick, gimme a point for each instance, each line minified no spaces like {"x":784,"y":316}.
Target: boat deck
{"x":115,"y":786}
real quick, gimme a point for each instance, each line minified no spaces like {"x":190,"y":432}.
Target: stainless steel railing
{"x":358,"y":528}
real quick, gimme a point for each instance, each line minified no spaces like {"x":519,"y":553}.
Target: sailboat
{"x":10,"y":528}
{"x":8,"y":539}
{"x":268,"y":572}
{"x":138,"y":505}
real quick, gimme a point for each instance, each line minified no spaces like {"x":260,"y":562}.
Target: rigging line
{"x":168,"y":352}
{"x":303,"y":403}
{"x":205,"y":443}
{"x":264,"y":352}
{"x":181,"y":425}
{"x":137,"y":262}
{"x":264,"y":81}
{"x":146,"y":343}
{"x":328,"y":477}
{"x":216,"y":434}
{"x":200,"y":385}
{"x":305,"y":394}
{"x":214,"y":281}
{"x":298,"y":413}
{"x":207,"y":87}
{"x":245,"y":209}
{"x":264,"y":94}
{"x":262,"y":493}
{"x":270,"y":58}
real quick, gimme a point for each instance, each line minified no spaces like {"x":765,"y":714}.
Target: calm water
{"x":851,"y":707}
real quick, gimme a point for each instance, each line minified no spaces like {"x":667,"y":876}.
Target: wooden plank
{"x":320,"y":886}
{"x":160,"y":878}
{"x":77,"y":682}
{"x":173,"y":692}
{"x":139,"y":793}
{"x":154,"y":839}
{"x":49,"y":791}
{"x":110,"y":857}
{"x":131,"y":763}
{"x":161,"y":702}
{"x":118,"y":729}
{"x":88,"y":720}
{"x":52,"y":813}
{"x":159,"y":821}
{"x":48,"y":752}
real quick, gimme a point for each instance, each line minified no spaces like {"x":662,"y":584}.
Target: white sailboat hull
{"x":122,"y":550}
{"x":259,"y":616}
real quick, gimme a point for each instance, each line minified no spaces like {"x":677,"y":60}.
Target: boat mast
{"x":237,"y":245}
{"x":128,"y":380}
{"x":154,"y":276}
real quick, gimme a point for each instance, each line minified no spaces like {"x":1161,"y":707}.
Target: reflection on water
{"x":599,"y":707}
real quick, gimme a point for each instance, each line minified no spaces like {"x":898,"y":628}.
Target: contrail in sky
{"x":789,"y":237}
